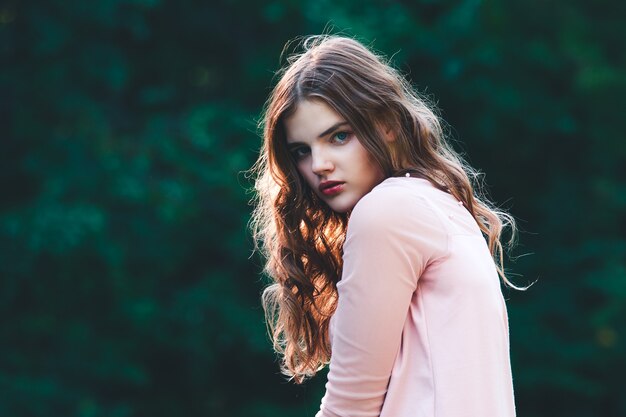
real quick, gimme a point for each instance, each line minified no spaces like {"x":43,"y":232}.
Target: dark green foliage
{"x":127,"y":286}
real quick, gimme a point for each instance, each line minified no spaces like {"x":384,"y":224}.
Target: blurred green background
{"x":127,"y":282}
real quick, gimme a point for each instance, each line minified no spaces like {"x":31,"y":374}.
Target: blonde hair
{"x":299,"y":235}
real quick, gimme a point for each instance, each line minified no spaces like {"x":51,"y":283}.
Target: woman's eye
{"x":341,"y":136}
{"x":299,"y":153}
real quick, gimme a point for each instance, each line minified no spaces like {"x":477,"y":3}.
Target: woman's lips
{"x":333,"y":190}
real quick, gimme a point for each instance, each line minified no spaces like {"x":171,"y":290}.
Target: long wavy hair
{"x":300,"y":237}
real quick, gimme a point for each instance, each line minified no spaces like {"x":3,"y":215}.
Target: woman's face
{"x":327,"y":152}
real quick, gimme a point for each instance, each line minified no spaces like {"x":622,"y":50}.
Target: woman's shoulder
{"x":400,"y":210}
{"x":404,"y":185}
{"x":396,"y":201}
{"x":416,"y":203}
{"x":396,"y":193}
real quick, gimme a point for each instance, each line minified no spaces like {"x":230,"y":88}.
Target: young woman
{"x":385,"y":261}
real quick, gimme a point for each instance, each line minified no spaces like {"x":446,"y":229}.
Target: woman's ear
{"x":390,"y":135}
{"x":388,"y":132}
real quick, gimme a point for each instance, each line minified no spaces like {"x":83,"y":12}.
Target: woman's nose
{"x":320,"y":162}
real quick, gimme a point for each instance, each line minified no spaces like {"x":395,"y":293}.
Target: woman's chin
{"x":340,"y":205}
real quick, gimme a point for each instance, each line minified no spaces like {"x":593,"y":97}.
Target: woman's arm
{"x":391,"y":237}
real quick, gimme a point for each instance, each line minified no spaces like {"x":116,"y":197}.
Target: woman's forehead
{"x":311,"y":120}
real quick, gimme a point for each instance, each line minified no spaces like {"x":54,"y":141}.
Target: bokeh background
{"x":127,"y":281}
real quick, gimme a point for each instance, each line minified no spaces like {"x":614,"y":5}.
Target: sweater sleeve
{"x":391,"y":237}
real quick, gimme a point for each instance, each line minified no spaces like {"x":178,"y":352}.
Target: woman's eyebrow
{"x":332,"y":128}
{"x":324,"y":133}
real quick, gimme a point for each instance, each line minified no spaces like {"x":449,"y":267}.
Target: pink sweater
{"x":421,"y":327}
